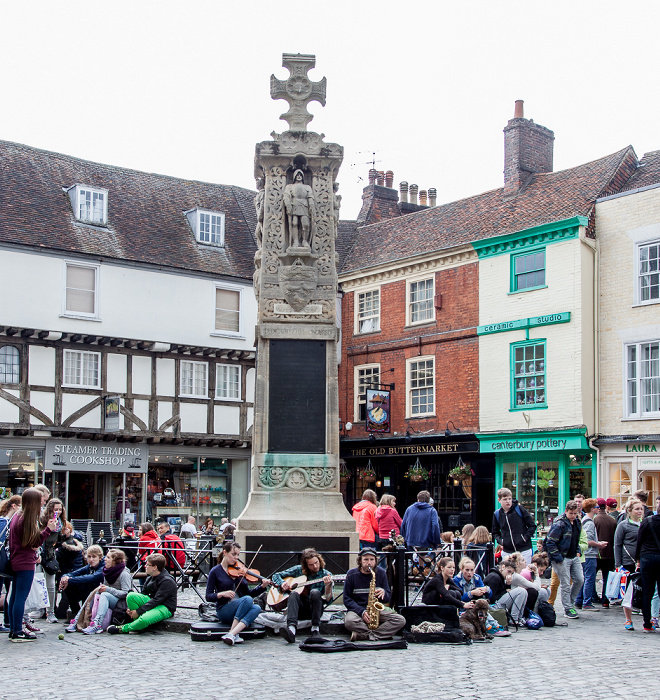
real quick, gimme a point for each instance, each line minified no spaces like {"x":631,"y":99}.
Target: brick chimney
{"x":379,"y":199}
{"x":528,"y":149}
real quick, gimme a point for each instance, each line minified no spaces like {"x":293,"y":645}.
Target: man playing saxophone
{"x":357,"y":589}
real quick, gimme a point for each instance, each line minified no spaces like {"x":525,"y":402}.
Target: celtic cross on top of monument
{"x":298,"y":90}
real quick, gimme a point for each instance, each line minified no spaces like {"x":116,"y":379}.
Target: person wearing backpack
{"x":8,"y":510}
{"x":513,"y":527}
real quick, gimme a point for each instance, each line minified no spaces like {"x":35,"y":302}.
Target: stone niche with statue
{"x":294,"y":499}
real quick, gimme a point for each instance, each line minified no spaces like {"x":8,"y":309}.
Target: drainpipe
{"x":596,"y":341}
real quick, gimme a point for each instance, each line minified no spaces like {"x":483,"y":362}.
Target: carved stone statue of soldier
{"x":300,"y":210}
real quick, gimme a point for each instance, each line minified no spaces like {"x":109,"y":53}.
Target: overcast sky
{"x":182,"y":88}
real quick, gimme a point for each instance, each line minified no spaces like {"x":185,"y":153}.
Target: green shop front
{"x":543,"y":469}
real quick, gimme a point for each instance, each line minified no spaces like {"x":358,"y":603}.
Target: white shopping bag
{"x":38,"y":597}
{"x":613,"y":588}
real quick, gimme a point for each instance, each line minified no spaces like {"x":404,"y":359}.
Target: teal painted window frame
{"x":514,"y":276}
{"x":514,"y":378}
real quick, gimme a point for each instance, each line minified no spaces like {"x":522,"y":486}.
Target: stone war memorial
{"x":294,"y":499}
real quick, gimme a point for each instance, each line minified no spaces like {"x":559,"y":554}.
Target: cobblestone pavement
{"x":541,"y":664}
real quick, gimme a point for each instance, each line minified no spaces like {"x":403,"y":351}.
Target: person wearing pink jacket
{"x":387,"y":517}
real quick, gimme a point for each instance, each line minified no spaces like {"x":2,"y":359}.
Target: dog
{"x":473,"y":621}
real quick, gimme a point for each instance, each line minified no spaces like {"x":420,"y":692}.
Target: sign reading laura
{"x":88,"y":456}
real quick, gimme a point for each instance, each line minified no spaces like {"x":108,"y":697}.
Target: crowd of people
{"x":519,"y":586}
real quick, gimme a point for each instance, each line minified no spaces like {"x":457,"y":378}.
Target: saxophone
{"x":374,"y":606}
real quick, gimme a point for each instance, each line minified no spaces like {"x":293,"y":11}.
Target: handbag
{"x":38,"y":596}
{"x":613,"y":587}
{"x":52,"y":566}
{"x":5,"y":567}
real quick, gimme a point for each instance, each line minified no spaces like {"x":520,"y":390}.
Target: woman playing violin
{"x":231,"y":595}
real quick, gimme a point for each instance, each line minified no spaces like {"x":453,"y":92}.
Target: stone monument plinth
{"x":294,"y":499}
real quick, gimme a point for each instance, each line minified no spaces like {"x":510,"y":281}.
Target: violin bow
{"x":247,"y":568}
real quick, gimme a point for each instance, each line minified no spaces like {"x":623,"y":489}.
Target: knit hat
{"x":611,"y":502}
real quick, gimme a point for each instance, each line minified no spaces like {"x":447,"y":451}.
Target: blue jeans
{"x":106,"y":601}
{"x":588,"y":592}
{"x":21,"y":582}
{"x":243,"y":609}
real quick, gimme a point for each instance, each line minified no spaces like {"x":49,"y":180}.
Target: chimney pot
{"x":380,"y":178}
{"x":372,"y":176}
{"x":519,"y":111}
{"x":433,"y":195}
{"x":422,"y":198}
{"x":413,"y":194}
{"x":403,"y":190}
{"x":389,"y":178}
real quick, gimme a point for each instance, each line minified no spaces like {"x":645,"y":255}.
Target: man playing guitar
{"x":305,"y":602}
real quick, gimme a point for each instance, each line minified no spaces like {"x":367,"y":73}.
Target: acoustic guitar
{"x":277,"y":598}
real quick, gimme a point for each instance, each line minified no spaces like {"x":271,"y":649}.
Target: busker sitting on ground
{"x":81,"y":582}
{"x":157,"y":601}
{"x":513,"y":601}
{"x":116,"y":585}
{"x":356,"y":597}
{"x":441,"y":589}
{"x":305,"y":603}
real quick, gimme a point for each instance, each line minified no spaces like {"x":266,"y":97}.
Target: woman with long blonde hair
{"x":25,"y":538}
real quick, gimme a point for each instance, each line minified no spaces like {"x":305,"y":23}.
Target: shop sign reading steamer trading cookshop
{"x":88,"y":456}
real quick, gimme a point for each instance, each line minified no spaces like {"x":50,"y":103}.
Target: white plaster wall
{"x":44,"y":401}
{"x":41,"y":368}
{"x":250,"y":418}
{"x":116,"y":373}
{"x":141,"y":410}
{"x":164,"y":377}
{"x":193,"y":417}
{"x":249,"y":385}
{"x":133,"y":303}
{"x":8,"y":411}
{"x":141,"y":375}
{"x":72,"y":402}
{"x":566,"y":362}
{"x":621,"y":222}
{"x":226,"y":420}
{"x":164,"y":413}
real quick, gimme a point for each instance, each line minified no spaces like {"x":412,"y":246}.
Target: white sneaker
{"x":238,"y":640}
{"x":52,"y":619}
{"x":229,"y":639}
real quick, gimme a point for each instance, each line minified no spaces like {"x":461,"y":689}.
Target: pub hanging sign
{"x":378,"y":411}
{"x":111,"y":406}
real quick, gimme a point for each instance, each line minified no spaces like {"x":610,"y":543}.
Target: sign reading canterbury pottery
{"x":538,"y":442}
{"x":88,"y":456}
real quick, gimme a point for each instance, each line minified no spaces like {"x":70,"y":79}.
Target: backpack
{"x":547,"y":613}
{"x":518,"y":510}
{"x":173,"y":548}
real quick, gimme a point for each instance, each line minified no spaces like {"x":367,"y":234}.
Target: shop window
{"x":421,"y":387}
{"x":82,"y":369}
{"x":228,"y":382}
{"x":648,"y":276}
{"x":194,"y":379}
{"x":528,"y":375}
{"x":368,"y":311}
{"x":80,"y":293}
{"x":227,"y":310}
{"x":580,"y":476}
{"x":366,"y":377}
{"x":10,"y":369}
{"x":620,"y":481}
{"x":643,"y":380}
{"x":536,"y":487}
{"x":528,"y":270}
{"x":19,"y":469}
{"x":420,"y":301}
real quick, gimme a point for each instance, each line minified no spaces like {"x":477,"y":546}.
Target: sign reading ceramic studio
{"x":88,"y":456}
{"x":533,"y":322}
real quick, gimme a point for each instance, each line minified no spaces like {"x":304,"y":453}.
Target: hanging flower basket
{"x":417,"y":472}
{"x":368,"y":473}
{"x":344,"y":474}
{"x":462,"y":471}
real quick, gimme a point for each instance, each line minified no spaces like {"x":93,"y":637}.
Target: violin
{"x":239,"y":570}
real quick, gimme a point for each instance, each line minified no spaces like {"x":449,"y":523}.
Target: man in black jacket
{"x":157,"y":601}
{"x":513,"y":527}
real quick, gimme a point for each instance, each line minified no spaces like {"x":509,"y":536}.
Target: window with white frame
{"x":228,"y":310}
{"x":368,"y":311}
{"x":366,"y":377}
{"x":228,"y":382}
{"x":194,"y":379}
{"x":421,"y":386}
{"x":528,"y":375}
{"x":90,"y":204}
{"x":649,"y":272}
{"x":420,"y":301}
{"x":81,"y":289}
{"x":643,"y":379}
{"x":82,"y":369}
{"x":209,"y":226}
{"x":10,"y":367}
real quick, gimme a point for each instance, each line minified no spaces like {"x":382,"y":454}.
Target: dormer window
{"x":90,"y":204}
{"x":209,"y":226}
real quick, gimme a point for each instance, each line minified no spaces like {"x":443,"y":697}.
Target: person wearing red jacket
{"x":366,"y":524}
{"x":387,"y":517}
{"x":149,"y":541}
